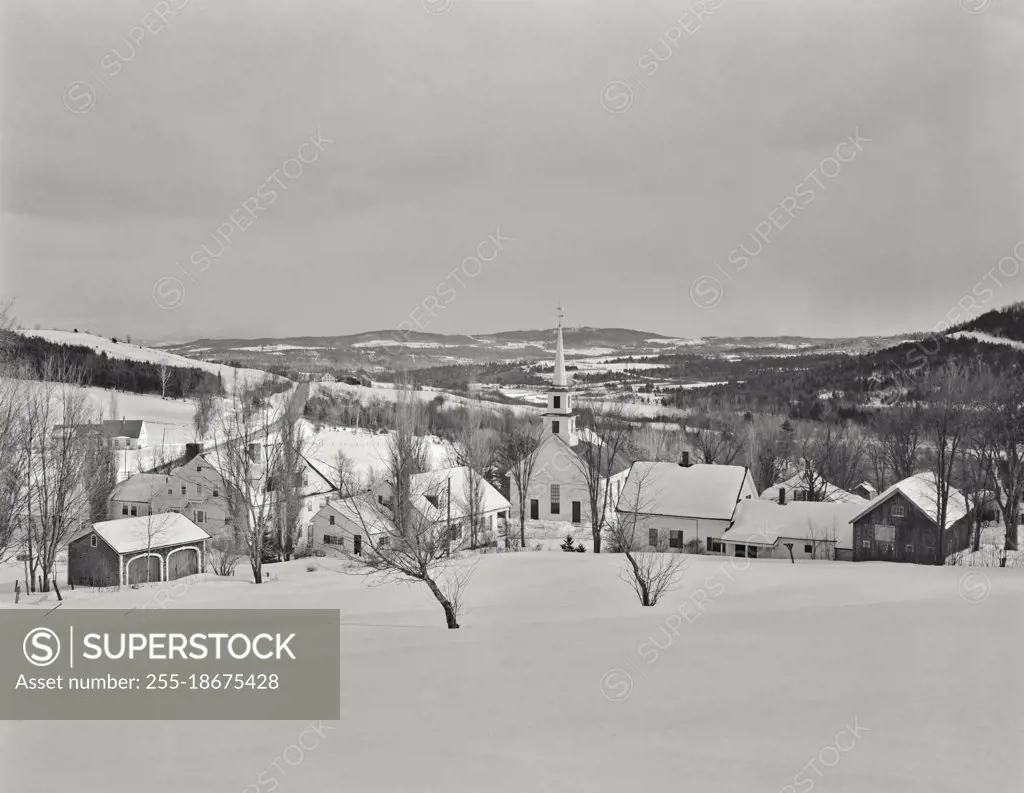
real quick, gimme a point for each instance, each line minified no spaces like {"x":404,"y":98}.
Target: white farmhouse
{"x":684,"y":505}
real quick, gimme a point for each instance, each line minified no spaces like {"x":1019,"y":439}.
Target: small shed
{"x":138,"y":550}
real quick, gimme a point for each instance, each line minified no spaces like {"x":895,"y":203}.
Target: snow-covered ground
{"x":870,"y":677}
{"x":134,"y":352}
{"x":387,"y":391}
{"x":367,"y":450}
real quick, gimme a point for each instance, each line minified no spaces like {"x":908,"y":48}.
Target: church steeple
{"x":559,"y":376}
{"x":559,"y":418}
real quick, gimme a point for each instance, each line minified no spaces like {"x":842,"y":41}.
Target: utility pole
{"x":448,"y":505}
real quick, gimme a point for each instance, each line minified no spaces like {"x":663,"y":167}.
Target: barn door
{"x":143,"y":569}
{"x":182,"y":563}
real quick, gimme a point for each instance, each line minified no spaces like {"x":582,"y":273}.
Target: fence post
{"x":17,"y":592}
{"x":57,"y":589}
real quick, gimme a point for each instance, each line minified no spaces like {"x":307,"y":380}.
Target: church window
{"x":554,"y":427}
{"x":558,"y":402}
{"x":556,"y":499}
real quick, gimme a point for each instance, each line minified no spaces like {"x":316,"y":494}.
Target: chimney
{"x":782,"y":496}
{"x":192,"y":450}
{"x":685,"y":462}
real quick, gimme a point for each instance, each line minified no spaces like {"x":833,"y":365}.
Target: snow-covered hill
{"x":986,"y":338}
{"x":134,"y":352}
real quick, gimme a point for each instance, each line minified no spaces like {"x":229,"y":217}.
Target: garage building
{"x":138,"y":550}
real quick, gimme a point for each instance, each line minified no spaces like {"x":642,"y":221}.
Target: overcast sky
{"x":630,"y":203}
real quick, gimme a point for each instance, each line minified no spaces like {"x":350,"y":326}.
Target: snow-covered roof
{"x":152,"y":531}
{"x":798,"y":481}
{"x":696,"y":491}
{"x":766,"y":522}
{"x":140,"y":487}
{"x":922,"y":491}
{"x":435,"y":485}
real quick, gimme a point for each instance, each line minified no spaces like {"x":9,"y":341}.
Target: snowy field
{"x":388,"y":392}
{"x":367,"y":450}
{"x":136,"y":352}
{"x":866,"y":678}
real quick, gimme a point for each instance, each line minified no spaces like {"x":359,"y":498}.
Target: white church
{"x":558,"y":488}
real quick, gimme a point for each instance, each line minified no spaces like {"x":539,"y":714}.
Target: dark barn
{"x":901,"y":525}
{"x":138,"y":550}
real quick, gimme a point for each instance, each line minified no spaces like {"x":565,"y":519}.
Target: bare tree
{"x":205,"y":411}
{"x":99,"y":475}
{"x":518,"y":456}
{"x":56,"y":438}
{"x":289,"y":477}
{"x":900,"y":431}
{"x":767,"y":452}
{"x":651,"y":570}
{"x":599,"y":455}
{"x":946,"y":420}
{"x":1002,"y":432}
{"x":406,"y":542}
{"x":165,"y":378}
{"x":829,"y":457}
{"x":247,"y":452}
{"x":717,"y":446}
{"x":472,"y":446}
{"x":345,"y":475}
{"x":13,"y":474}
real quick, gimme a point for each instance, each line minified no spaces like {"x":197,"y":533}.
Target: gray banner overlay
{"x":170,"y":664}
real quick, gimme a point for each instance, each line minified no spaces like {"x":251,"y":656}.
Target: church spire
{"x":559,"y":375}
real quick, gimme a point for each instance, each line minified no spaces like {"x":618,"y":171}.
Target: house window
{"x":910,"y":549}
{"x":897,"y":511}
{"x":554,"y":427}
{"x":199,"y":490}
{"x":675,"y":539}
{"x":808,"y":549}
{"x":135,"y":510}
{"x":215,"y":493}
{"x":885,"y":533}
{"x":334,"y":539}
{"x":865,"y":543}
{"x":715,"y":546}
{"x":556,"y":499}
{"x":200,"y":516}
{"x":184,"y":490}
{"x":170,"y":491}
{"x":652,"y":537}
{"x":199,"y":468}
{"x":124,"y":509}
{"x":741,"y":550}
{"x":558,"y":404}
{"x":384,"y":542}
{"x":330,"y":519}
{"x":309,"y":506}
{"x":380,"y":499}
{"x":92,"y":540}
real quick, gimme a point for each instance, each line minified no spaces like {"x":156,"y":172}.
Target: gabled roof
{"x":696,"y":491}
{"x":140,"y":487}
{"x":152,"y":531}
{"x":760,"y":522}
{"x":121,"y":428}
{"x":922,"y":490}
{"x":798,"y":481}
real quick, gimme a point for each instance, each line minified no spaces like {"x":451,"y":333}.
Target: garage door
{"x":182,"y":563}
{"x":144,"y":569}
